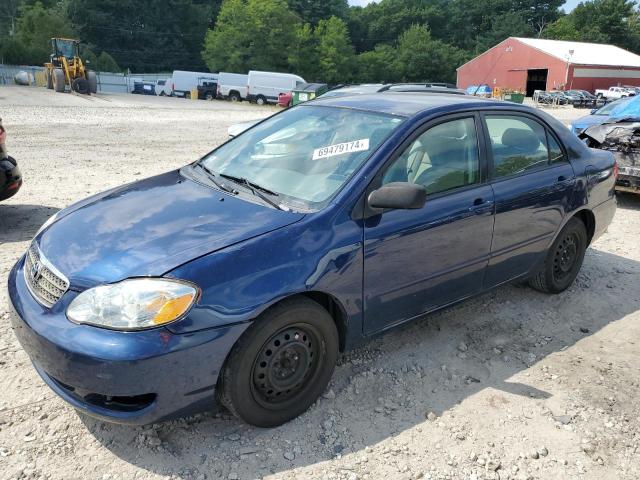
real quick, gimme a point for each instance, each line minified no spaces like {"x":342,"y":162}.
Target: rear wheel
{"x":260,"y":100}
{"x":281,"y":364}
{"x":58,"y":80}
{"x":234,"y":97}
{"x":209,"y":96}
{"x":563,"y":260}
{"x":92,"y":78}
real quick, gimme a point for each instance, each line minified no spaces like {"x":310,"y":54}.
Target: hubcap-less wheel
{"x":285,"y":365}
{"x":565,"y":257}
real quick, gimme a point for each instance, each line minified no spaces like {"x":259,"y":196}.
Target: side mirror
{"x":398,"y":195}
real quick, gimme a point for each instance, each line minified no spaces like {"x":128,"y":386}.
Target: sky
{"x":568,"y":6}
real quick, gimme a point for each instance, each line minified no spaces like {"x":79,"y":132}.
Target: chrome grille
{"x":45,"y":282}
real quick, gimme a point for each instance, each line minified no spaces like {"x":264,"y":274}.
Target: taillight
{"x":616,"y":169}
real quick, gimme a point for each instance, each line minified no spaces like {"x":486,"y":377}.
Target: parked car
{"x":582,"y":99}
{"x":10,"y":175}
{"x":265,"y":87}
{"x":233,"y":86}
{"x":183,"y":82}
{"x":243,"y":275}
{"x":362,"y":89}
{"x":598,"y":116}
{"x":423,"y":88}
{"x":285,"y":99}
{"x":144,"y":88}
{"x":161,"y":88}
{"x":207,"y":89}
{"x":613,"y":93}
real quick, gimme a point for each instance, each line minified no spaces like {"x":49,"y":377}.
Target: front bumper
{"x":123,"y":377}
{"x":628,"y":179}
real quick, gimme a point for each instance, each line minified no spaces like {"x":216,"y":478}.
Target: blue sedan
{"x":238,"y":279}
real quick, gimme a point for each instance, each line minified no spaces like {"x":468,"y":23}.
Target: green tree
{"x":144,"y":36}
{"x":421,"y":58}
{"x":510,"y":24}
{"x":35,"y":28}
{"x":312,"y":11}
{"x":256,"y":34}
{"x":303,"y":53}
{"x":106,"y":63}
{"x":335,"y":51}
{"x":378,"y":65}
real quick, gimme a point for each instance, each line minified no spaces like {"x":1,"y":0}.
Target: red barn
{"x":530,"y":64}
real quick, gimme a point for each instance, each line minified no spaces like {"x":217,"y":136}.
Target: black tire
{"x":80,"y":85}
{"x":187,"y":95}
{"x":48,"y":79}
{"x":260,"y":100}
{"x":281,"y":364}
{"x":564,"y":259}
{"x":92,"y":79}
{"x":208,"y":96}
{"x":58,"y":80}
{"x":162,"y":94}
{"x":234,"y":97}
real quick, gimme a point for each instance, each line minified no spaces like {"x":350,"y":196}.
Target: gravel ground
{"x":512,"y":385}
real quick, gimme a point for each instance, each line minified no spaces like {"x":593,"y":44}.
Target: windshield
{"x":609,"y":107}
{"x":66,"y":48}
{"x":304,"y":154}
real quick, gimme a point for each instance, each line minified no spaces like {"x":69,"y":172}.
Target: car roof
{"x":406,"y":104}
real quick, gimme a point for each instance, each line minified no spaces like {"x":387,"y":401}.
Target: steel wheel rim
{"x":285,"y":365}
{"x":565,"y":256}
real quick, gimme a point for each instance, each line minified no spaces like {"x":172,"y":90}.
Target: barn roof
{"x":584,"y":53}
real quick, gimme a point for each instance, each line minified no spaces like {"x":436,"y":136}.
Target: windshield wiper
{"x":256,"y":190}
{"x":212,"y":177}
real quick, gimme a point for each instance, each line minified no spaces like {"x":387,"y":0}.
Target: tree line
{"x":321,"y":40}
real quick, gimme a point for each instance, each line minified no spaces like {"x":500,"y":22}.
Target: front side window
{"x":305,"y":154}
{"x":519,"y":144}
{"x":443,"y":158}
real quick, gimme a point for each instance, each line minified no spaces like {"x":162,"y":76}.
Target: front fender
{"x":319,"y":254}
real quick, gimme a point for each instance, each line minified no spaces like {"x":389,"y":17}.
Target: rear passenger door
{"x":533,"y":182}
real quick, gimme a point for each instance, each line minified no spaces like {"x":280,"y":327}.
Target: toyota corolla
{"x":238,"y":279}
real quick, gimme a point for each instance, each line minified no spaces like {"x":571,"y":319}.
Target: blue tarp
{"x":479,"y":90}
{"x":628,"y":110}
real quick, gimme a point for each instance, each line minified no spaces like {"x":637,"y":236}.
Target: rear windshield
{"x":305,"y":154}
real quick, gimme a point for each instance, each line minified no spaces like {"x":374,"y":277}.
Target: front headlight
{"x":134,"y":304}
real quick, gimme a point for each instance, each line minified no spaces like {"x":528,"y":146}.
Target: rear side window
{"x":518,"y":144}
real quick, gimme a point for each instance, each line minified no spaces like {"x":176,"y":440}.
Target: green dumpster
{"x":514,"y":97}
{"x":308,"y":91}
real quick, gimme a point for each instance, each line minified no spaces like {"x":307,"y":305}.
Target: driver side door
{"x":418,"y":260}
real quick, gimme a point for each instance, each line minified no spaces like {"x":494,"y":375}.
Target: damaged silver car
{"x":621,"y":136}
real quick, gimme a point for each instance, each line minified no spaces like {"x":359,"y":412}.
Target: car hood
{"x":588,"y":120}
{"x":150,"y":227}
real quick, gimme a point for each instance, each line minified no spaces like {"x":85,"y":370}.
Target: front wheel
{"x":563,"y":260}
{"x":281,"y":364}
{"x":261,"y":100}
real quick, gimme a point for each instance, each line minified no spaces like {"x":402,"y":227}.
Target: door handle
{"x":481,"y":206}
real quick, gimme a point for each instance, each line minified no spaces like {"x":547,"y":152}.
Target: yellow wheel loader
{"x":67,"y":69}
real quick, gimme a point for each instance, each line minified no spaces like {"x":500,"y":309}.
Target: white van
{"x":266,"y":86}
{"x":182,"y":82}
{"x":233,"y":86}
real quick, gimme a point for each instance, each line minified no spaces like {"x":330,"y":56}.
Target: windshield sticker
{"x":341,"y":148}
